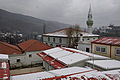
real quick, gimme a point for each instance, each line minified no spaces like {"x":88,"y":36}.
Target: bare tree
{"x":73,"y":34}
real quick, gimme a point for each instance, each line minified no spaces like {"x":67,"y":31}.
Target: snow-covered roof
{"x":65,"y":56}
{"x":57,"y":49}
{"x":112,"y":72}
{"x":73,"y":58}
{"x":105,"y":75}
{"x":51,"y":74}
{"x":91,"y":55}
{"x":33,"y":76}
{"x":106,"y":64}
{"x":70,"y":70}
{"x":59,"y":54}
{"x":3,"y":56}
{"x":62,"y":57}
{"x":62,"y":33}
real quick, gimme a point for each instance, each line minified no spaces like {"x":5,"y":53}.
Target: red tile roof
{"x":6,"y":48}
{"x":108,"y":41}
{"x":33,"y":45}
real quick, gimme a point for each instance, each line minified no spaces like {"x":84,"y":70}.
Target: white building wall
{"x":53,"y":43}
{"x":83,"y":46}
{"x":86,"y":43}
{"x":25,"y":60}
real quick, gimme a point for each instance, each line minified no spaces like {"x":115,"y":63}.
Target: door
{"x":87,"y":49}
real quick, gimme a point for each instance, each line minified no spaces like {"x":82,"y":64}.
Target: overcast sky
{"x":105,"y":12}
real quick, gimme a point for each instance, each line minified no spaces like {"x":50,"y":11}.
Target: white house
{"x":60,"y":38}
{"x":56,"y":58}
{"x":23,"y":54}
{"x":85,"y":42}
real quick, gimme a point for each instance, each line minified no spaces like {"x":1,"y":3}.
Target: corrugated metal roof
{"x":71,"y":73}
{"x":106,"y":64}
{"x":53,"y":62}
{"x":50,"y":75}
{"x":33,"y":76}
{"x":73,"y":58}
{"x":62,"y":57}
{"x":108,"y":41}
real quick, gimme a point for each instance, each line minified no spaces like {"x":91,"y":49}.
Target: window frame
{"x":116,"y":51}
{"x":101,"y":49}
{"x":96,"y":49}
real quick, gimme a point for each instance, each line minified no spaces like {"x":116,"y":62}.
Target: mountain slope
{"x":26,"y":24}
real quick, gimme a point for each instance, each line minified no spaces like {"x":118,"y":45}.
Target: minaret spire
{"x":90,"y":21}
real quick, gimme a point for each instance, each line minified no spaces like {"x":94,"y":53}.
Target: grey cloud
{"x":67,"y":11}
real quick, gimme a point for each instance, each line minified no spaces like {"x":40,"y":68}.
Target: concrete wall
{"x":25,"y":59}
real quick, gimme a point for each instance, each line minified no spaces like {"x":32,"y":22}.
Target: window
{"x":18,"y":60}
{"x":48,"y":38}
{"x":103,"y":49}
{"x":30,"y":55}
{"x":82,"y":39}
{"x":100,"y":49}
{"x":51,"y":44}
{"x":118,"y":51}
{"x":53,"y":39}
{"x":60,"y":40}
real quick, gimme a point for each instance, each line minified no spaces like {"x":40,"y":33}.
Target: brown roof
{"x":33,"y":45}
{"x":6,"y":48}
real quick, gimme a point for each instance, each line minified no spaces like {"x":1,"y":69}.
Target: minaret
{"x":89,"y":21}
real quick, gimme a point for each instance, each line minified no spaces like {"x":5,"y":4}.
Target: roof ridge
{"x":8,"y":45}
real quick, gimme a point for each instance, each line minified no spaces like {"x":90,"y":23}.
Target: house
{"x":107,"y":46}
{"x":60,"y":38}
{"x":4,"y":67}
{"x":85,"y":42}
{"x":104,"y":65}
{"x":23,"y":54}
{"x":71,"y":73}
{"x":60,"y":57}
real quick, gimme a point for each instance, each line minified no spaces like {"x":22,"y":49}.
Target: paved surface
{"x":26,"y":70}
